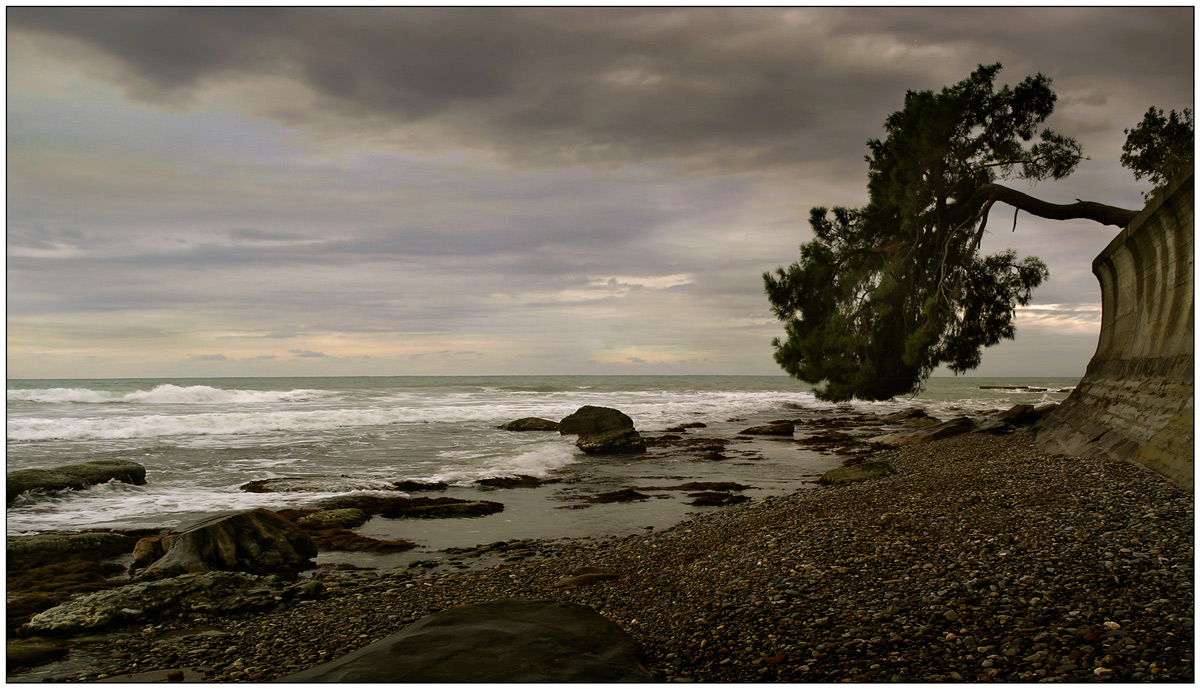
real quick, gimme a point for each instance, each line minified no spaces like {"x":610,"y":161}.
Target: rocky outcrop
{"x":508,"y":640}
{"x":603,"y":431}
{"x":37,"y":550}
{"x":945,"y":429}
{"x":1136,"y":400}
{"x":256,"y":541}
{"x":423,"y":508}
{"x":208,"y":592}
{"x":74,"y":476}
{"x":316,"y":484}
{"x":530,"y":423}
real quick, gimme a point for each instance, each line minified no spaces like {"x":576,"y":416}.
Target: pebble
{"x":999,"y":563}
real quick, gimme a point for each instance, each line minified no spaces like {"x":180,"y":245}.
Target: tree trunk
{"x":1086,"y":210}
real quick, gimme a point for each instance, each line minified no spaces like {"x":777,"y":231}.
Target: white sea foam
{"x":162,"y":394}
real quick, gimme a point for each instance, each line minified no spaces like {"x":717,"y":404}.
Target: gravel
{"x":981,"y":558}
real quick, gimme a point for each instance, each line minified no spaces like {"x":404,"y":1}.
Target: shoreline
{"x":982,"y":558}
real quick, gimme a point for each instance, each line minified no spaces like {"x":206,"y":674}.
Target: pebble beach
{"x":980,"y":559}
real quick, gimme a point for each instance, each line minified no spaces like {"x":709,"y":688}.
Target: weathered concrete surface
{"x":1136,"y":400}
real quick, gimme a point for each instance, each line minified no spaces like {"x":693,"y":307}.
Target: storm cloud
{"x":398,"y":185}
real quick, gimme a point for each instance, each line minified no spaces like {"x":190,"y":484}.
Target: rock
{"x":74,"y":476}
{"x":417,"y":486}
{"x":947,"y":429}
{"x":316,"y":484}
{"x":519,"y":481}
{"x":185,"y":674}
{"x":685,"y":426}
{"x":348,"y":518}
{"x":26,"y":654}
{"x":907,"y":414}
{"x":508,"y":640}
{"x":617,"y":442}
{"x":786,"y":428}
{"x":530,"y":423}
{"x":585,"y":576}
{"x":588,"y":420}
{"x":602,"y":431}
{"x":715,"y":499}
{"x":256,"y":541}
{"x":857,"y":472}
{"x":209,"y":592}
{"x":395,"y":508}
{"x":1005,"y":421}
{"x":626,"y":495}
{"x":38,"y":550}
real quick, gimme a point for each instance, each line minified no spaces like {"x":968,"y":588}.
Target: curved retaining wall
{"x":1136,"y":400}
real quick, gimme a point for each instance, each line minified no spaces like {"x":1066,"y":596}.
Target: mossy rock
{"x":857,"y":472}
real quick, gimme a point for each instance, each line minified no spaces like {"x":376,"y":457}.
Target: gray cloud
{"x":485,"y":181}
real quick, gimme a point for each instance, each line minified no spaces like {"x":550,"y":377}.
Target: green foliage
{"x":884,"y":294}
{"x":1159,"y":147}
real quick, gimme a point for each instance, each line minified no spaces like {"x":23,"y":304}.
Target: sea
{"x":202,"y":439}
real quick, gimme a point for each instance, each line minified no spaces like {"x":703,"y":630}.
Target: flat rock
{"x":615,"y":442}
{"x":38,"y":550}
{"x":857,"y":472}
{"x":785,"y":429}
{"x":316,"y":484}
{"x":530,"y":423}
{"x":508,"y":640}
{"x":946,"y":429}
{"x":74,"y":476}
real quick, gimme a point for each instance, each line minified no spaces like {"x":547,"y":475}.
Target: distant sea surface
{"x":200,"y":439}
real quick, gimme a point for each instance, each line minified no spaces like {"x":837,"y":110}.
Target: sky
{"x":485,"y":191}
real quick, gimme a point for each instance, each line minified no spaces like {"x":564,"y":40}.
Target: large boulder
{"x":257,"y":541}
{"x":74,"y":476}
{"x":507,"y":640}
{"x":603,"y":431}
{"x":778,"y":428}
{"x":37,"y":550}
{"x":208,"y":592}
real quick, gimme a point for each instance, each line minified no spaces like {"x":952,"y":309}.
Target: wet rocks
{"x":37,"y":550}
{"x":603,"y":431}
{"x":257,"y":541}
{"x":624,"y":495}
{"x":418,"y":486}
{"x":421,"y":508}
{"x":506,"y":641}
{"x":774,"y":429}
{"x":530,"y":423}
{"x":715,"y":499}
{"x":1010,"y":419}
{"x":316,"y":484}
{"x":941,"y":431}
{"x":74,"y":476}
{"x":518,"y":481}
{"x":211,"y":592}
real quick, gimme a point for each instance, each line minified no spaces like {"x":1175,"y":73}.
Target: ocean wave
{"x":162,"y":394}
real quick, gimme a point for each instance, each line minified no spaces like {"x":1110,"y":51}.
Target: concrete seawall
{"x":1136,"y":400}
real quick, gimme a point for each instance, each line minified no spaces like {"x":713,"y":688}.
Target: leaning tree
{"x":886,"y":293}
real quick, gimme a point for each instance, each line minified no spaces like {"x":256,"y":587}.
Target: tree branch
{"x":1086,"y":210}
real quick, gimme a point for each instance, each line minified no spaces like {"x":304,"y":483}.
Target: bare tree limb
{"x":1086,"y":210}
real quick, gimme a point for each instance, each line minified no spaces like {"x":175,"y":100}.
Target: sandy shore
{"x":982,"y":558}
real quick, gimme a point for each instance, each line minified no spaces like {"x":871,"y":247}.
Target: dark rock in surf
{"x":626,"y":495}
{"x":256,"y":541}
{"x":602,"y":431}
{"x":530,"y":423}
{"x":74,"y":476}
{"x":773,"y":429}
{"x":418,"y":486}
{"x":393,"y":508}
{"x":316,"y":484}
{"x":519,"y":481}
{"x":715,"y":499}
{"x":508,"y":640}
